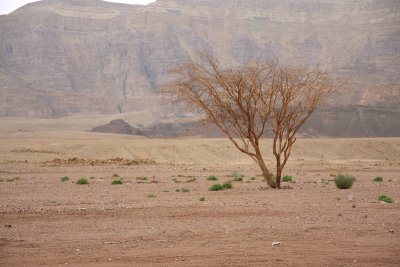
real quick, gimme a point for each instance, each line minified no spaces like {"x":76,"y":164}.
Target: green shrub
{"x":378,"y":179}
{"x":151,"y":196}
{"x":385,"y":199}
{"x":252,"y":178}
{"x":64,"y":179}
{"x":82,"y":180}
{"x":185,"y":190}
{"x":10,"y":180}
{"x":118,"y":181}
{"x":141,"y":178}
{"x":202,"y":198}
{"x":344,"y":181}
{"x":216,"y":187}
{"x":212,"y":178}
{"x":227,"y":185}
{"x":237,"y":177}
{"x":287,"y":178}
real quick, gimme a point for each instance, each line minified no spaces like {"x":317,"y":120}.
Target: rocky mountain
{"x":59,"y":57}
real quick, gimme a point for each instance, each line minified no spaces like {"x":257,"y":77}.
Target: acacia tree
{"x":249,"y":101}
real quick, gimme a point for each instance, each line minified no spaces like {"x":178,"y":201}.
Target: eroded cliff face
{"x":65,"y":56}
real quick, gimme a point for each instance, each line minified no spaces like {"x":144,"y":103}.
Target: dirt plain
{"x":44,"y":221}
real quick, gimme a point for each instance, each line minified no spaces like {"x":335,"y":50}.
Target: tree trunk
{"x":278,"y":176}
{"x":267,"y":175}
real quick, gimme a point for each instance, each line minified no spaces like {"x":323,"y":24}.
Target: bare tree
{"x":247,"y":102}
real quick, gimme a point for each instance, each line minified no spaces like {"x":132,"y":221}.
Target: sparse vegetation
{"x":82,"y":181}
{"x":117,"y":181}
{"x":1,"y":180}
{"x":151,"y":196}
{"x":385,"y":198}
{"x":378,"y":179}
{"x":202,"y":199}
{"x":191,"y":180}
{"x":344,"y":181}
{"x":227,"y":185}
{"x":115,"y":175}
{"x":212,"y":178}
{"x":174,"y":179}
{"x":218,"y":187}
{"x":237,"y":177}
{"x":185,"y":190}
{"x":287,"y":178}
{"x":141,"y":179}
{"x":10,"y":180}
{"x":252,"y":178}
{"x":64,"y":178}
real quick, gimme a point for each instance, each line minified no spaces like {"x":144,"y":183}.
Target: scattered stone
{"x":391,"y":231}
{"x":276,"y":243}
{"x":354,"y":205}
{"x":340,"y":215}
{"x":7,"y":225}
{"x":350,"y":197}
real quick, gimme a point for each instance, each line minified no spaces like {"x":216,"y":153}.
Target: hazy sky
{"x":7,"y":6}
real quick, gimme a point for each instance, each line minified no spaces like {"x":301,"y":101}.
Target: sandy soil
{"x":44,"y":221}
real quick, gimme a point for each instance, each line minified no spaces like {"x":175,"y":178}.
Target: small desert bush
{"x":287,"y":178}
{"x":82,"y":180}
{"x":115,"y":175}
{"x":216,"y":187}
{"x":151,"y":196}
{"x":227,"y":185}
{"x":237,"y":177}
{"x":141,"y":178}
{"x":385,"y":198}
{"x":185,"y":190}
{"x":64,"y":178}
{"x":212,"y":178}
{"x":253,"y":178}
{"x":117,"y":181}
{"x":202,"y":199}
{"x":344,"y":181}
{"x":1,"y":180}
{"x":378,"y":179}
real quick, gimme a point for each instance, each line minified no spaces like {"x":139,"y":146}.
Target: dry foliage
{"x":249,"y":101}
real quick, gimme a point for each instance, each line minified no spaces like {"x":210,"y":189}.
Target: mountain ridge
{"x":64,"y":57}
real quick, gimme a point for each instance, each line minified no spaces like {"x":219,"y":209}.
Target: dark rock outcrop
{"x":115,"y":126}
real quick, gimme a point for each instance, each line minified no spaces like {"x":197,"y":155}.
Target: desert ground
{"x":153,"y":222}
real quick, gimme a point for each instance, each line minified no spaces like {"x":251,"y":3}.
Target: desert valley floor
{"x":171,"y":218}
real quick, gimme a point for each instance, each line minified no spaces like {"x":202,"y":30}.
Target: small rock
{"x":109,"y":259}
{"x":77,"y":249}
{"x":354,"y":205}
{"x":354,"y":261}
{"x":340,"y":215}
{"x":391,"y":231}
{"x":7,"y":225}
{"x":276,"y":243}
{"x":350,"y":197}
